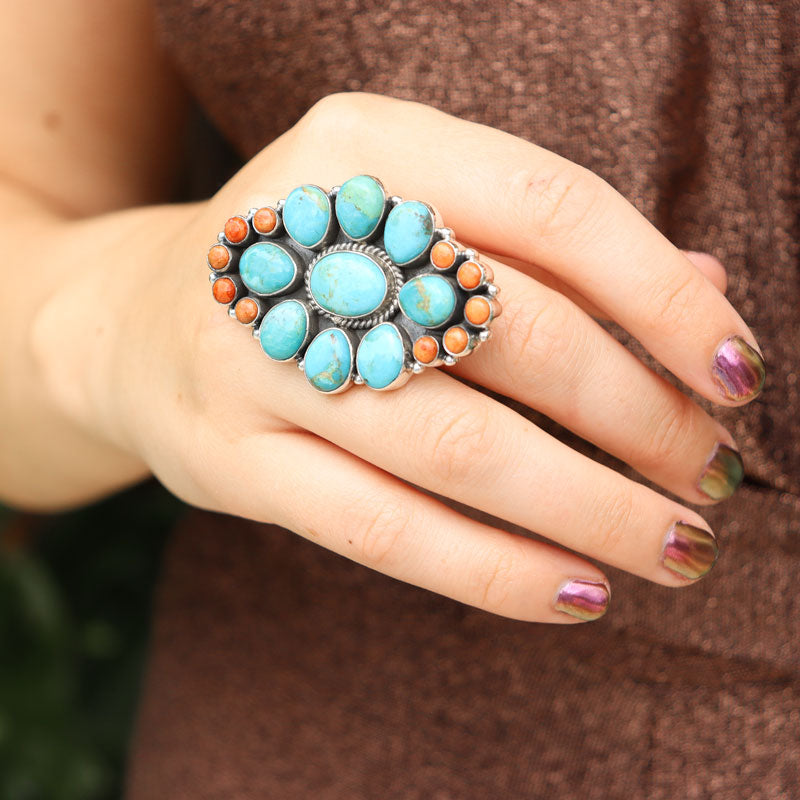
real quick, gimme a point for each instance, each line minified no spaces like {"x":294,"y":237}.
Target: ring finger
{"x":450,"y":439}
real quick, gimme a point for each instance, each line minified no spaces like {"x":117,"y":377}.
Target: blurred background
{"x":75,"y":597}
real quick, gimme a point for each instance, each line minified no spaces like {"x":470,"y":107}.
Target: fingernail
{"x":689,"y":551}
{"x":722,"y":473}
{"x":586,"y":600}
{"x":738,"y":369}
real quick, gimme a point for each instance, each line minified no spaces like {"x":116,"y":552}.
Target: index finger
{"x":516,"y":199}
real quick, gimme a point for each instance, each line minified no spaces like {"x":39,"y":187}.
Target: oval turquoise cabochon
{"x":348,"y":283}
{"x":428,"y":300}
{"x":408,"y":231}
{"x":283,"y":330}
{"x":328,"y":361}
{"x":306,"y":214}
{"x":266,"y":268}
{"x":380,"y":356}
{"x":359,"y":206}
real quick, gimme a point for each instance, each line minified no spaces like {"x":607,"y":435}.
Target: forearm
{"x":60,"y":318}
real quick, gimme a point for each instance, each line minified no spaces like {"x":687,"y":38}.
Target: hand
{"x":176,"y":383}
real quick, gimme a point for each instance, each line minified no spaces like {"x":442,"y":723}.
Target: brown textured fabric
{"x":280,"y":670}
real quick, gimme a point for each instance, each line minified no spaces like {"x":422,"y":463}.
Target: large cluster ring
{"x":354,"y":285}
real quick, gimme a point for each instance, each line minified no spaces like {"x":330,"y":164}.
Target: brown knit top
{"x":280,"y":670}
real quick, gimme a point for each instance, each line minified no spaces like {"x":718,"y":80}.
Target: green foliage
{"x":75,"y":593}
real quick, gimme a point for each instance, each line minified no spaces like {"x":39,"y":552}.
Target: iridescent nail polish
{"x":689,"y":551}
{"x":738,"y":369}
{"x":586,"y":600}
{"x":722,"y":473}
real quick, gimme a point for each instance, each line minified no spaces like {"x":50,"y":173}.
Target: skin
{"x":118,"y":363}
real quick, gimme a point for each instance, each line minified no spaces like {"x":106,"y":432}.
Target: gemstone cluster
{"x":354,"y":285}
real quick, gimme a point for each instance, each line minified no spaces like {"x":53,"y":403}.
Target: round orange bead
{"x":456,"y":340}
{"x":265,"y":220}
{"x":236,"y":229}
{"x":224,"y":290}
{"x":426,"y":348}
{"x":218,"y":257}
{"x":469,"y":275}
{"x":443,"y":255}
{"x":246,"y":310}
{"x":477,"y":310}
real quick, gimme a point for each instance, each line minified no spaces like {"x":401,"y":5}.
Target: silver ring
{"x":354,"y":285}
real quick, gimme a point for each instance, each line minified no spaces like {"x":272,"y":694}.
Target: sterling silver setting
{"x":441,"y":319}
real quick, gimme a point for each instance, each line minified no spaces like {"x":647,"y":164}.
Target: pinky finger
{"x":373,"y":518}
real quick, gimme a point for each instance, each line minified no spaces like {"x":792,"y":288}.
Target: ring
{"x":354,"y":285}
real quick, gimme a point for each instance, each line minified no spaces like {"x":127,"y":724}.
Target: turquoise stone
{"x":359,"y":206}
{"x":266,"y":268}
{"x":283,"y":330}
{"x":306,"y":214}
{"x":348,"y":284}
{"x":380,"y":356}
{"x":408,"y":231}
{"x":428,"y":300}
{"x":327,"y":361}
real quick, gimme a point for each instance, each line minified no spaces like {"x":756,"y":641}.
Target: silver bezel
{"x":346,"y":385}
{"x":382,"y":219}
{"x":394,"y":279}
{"x":408,"y":362}
{"x":311,"y":330}
{"x":425,"y":254}
{"x":456,"y":306}
{"x":297,"y":277}
{"x":333,"y":224}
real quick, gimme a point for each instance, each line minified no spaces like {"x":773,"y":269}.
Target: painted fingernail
{"x":586,"y":600}
{"x":689,"y":551}
{"x":738,"y":369}
{"x":722,"y":473}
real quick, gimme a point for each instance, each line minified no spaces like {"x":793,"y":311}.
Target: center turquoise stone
{"x":328,"y":360}
{"x":348,"y":284}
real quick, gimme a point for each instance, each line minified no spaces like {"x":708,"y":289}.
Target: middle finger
{"x":549,"y":354}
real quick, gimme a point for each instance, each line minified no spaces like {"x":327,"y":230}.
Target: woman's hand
{"x":175,"y":384}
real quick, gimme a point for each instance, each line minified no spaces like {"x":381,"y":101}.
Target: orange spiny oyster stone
{"x":246,"y":310}
{"x":236,"y":229}
{"x":456,"y":340}
{"x":469,"y":275}
{"x":477,"y":310}
{"x":443,"y":255}
{"x":265,"y":220}
{"x":224,"y":290}
{"x":218,"y":257}
{"x":426,"y":348}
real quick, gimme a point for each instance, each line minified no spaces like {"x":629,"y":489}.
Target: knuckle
{"x":612,"y":517}
{"x":556,"y":201}
{"x":671,"y":434}
{"x":673,"y":303}
{"x":538,"y":336}
{"x":495,"y":579}
{"x":381,"y":526}
{"x":455,"y":443}
{"x":336,"y":115}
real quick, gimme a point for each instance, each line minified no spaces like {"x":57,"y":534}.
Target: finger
{"x":358,"y":511}
{"x":514,"y":198}
{"x":711,"y":267}
{"x":706,"y":263}
{"x":550,"y":355}
{"x":450,"y":439}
